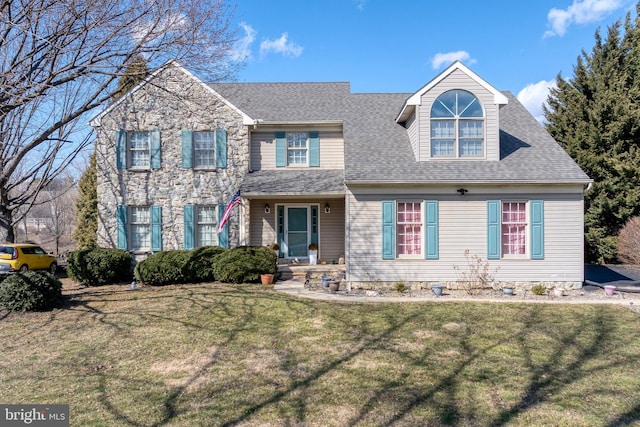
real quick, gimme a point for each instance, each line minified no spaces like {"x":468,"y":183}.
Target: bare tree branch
{"x":60,"y":61}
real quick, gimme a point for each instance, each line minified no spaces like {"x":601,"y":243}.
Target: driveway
{"x":619,"y":276}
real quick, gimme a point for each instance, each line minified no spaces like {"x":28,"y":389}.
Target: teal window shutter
{"x":156,"y":152}
{"x":189,"y":231}
{"x":121,"y":226}
{"x":156,"y":228}
{"x":121,"y":149}
{"x":223,"y":236}
{"x":431,"y":229}
{"x":537,"y":229}
{"x":221,"y":148}
{"x":281,"y":149}
{"x":280,"y":227}
{"x":388,"y":229}
{"x":314,"y":149}
{"x":187,"y":149}
{"x":493,"y":229}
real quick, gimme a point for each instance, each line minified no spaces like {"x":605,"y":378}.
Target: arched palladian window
{"x":457,"y":125}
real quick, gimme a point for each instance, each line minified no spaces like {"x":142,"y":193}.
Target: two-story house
{"x":401,"y":185}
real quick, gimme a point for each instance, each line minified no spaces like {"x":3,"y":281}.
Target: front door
{"x":297,"y":231}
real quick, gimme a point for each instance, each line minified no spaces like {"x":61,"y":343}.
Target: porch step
{"x":311,"y":272}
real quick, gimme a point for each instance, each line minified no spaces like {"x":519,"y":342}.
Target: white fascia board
{"x":498,"y":97}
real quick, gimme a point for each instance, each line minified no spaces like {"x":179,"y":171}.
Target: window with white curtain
{"x":204,"y":150}
{"x":139,"y":156}
{"x":140,"y":227}
{"x":206,"y":225}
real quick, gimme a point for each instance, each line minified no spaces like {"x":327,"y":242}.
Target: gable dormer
{"x":454,"y":117}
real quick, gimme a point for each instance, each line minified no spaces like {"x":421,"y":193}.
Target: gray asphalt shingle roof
{"x":378,"y":150}
{"x":298,"y":182}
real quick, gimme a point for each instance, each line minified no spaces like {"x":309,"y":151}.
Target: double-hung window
{"x":457,"y":125}
{"x":140,"y":227}
{"x":409,"y":228}
{"x":206,"y":225}
{"x":204,"y":150}
{"x":139,"y":150}
{"x":514,"y":228}
{"x":297,"y":149}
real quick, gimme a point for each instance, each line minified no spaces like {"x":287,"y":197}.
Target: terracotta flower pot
{"x":266,"y":279}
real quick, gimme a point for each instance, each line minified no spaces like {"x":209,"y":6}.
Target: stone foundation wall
{"x":518,"y":286}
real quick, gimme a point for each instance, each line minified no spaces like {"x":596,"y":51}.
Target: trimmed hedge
{"x":201,"y":264}
{"x":245,"y":264}
{"x":99,"y":266}
{"x":163,"y":268}
{"x":30,"y":291}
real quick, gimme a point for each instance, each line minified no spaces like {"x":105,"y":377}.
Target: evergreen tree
{"x":85,"y":233}
{"x":134,"y":73}
{"x":595,"y":116}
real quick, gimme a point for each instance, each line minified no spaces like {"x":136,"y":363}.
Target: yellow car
{"x":22,"y":256}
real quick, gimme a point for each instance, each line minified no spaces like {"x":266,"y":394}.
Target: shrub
{"x":30,"y":291}
{"x":539,"y":289}
{"x":163,"y":268}
{"x":629,"y":242}
{"x":477,"y":275}
{"x":99,"y":266}
{"x":401,"y":286}
{"x":201,"y":264}
{"x":245,"y":264}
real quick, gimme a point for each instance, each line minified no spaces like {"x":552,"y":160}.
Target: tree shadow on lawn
{"x":571,"y":358}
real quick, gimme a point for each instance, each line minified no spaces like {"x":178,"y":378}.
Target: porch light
{"x":267,"y":209}
{"x":462,"y":191}
{"x":327,"y":209}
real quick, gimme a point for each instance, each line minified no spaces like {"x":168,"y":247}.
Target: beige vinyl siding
{"x":459,"y":80}
{"x":262,"y":226}
{"x":263,"y":148}
{"x":412,"y":130}
{"x":463,"y":225}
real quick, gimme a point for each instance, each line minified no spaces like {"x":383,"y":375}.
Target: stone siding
{"x":170,"y":102}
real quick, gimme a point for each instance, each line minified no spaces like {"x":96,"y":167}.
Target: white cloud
{"x":580,"y":12}
{"x":534,"y":96}
{"x":281,"y":45}
{"x":441,"y":59}
{"x":242,"y":49}
{"x":360,"y":4}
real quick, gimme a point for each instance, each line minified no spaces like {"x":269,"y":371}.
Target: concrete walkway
{"x":296,"y":288}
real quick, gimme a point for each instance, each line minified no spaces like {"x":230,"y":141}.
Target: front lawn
{"x":218,"y":355}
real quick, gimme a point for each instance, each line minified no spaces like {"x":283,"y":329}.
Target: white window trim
{"x":456,"y":121}
{"x":297,"y":165}
{"x":193,"y":150}
{"x":527,"y":230}
{"x":422,"y":242}
{"x":198,"y":224}
{"x":131,"y":224}
{"x":130,"y":150}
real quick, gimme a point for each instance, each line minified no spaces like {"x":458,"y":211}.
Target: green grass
{"x":213,"y":355}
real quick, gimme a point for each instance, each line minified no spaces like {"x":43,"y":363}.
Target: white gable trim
{"x":498,"y":97}
{"x":246,"y":120}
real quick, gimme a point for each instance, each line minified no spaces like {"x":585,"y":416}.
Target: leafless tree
{"x":61,"y":60}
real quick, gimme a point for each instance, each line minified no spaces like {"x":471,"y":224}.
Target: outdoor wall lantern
{"x":267,"y":209}
{"x":327,"y":209}
{"x":462,"y":191}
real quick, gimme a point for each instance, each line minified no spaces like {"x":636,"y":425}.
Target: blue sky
{"x":398,"y":46}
